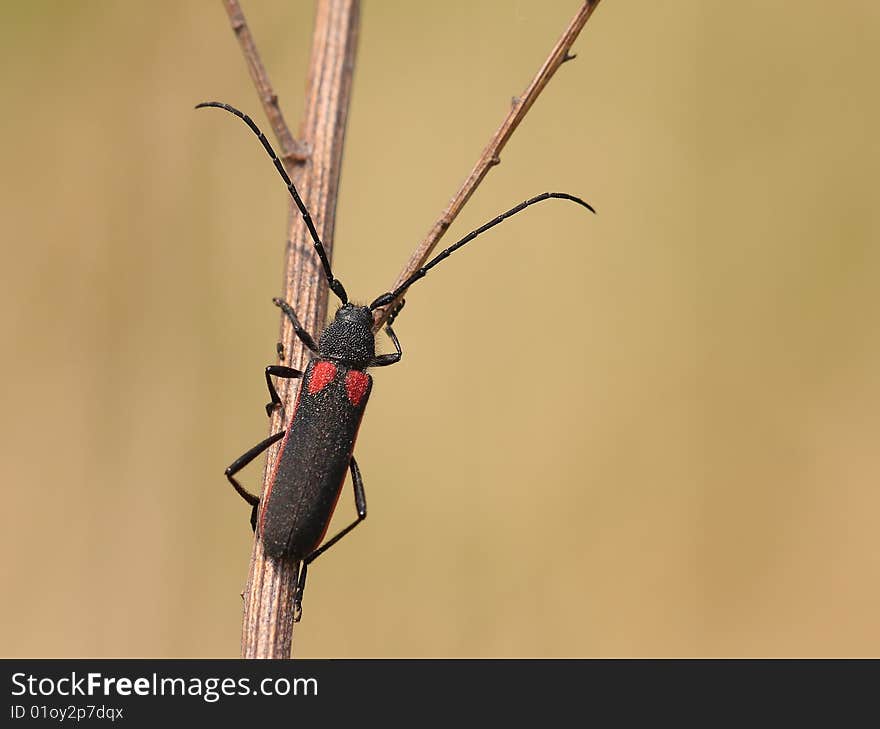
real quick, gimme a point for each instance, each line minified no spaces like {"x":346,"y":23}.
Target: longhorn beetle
{"x":316,"y":447}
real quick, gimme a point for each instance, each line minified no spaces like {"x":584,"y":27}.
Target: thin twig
{"x":491,"y":155}
{"x":291,"y":150}
{"x":267,"y":630}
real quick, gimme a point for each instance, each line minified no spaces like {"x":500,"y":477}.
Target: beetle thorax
{"x":349,"y":338}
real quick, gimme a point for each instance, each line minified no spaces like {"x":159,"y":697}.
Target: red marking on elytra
{"x":356,"y":386}
{"x":322,"y":375}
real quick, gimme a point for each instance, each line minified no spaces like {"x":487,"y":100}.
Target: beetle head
{"x":349,"y":338}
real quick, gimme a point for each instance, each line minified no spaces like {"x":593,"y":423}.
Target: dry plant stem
{"x":291,"y":150}
{"x":267,"y":630}
{"x":491,"y":155}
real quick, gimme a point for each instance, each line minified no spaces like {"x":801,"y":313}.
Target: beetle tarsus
{"x":241,"y":462}
{"x":302,"y":568}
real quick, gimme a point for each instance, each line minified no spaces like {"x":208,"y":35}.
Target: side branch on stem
{"x":491,"y":155}
{"x":291,"y":149}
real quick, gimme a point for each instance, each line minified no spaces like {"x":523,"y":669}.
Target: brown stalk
{"x":491,"y":155}
{"x":267,"y":629}
{"x":291,"y":150}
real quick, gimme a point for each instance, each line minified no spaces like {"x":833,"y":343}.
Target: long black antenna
{"x":391,"y":295}
{"x":334,"y":283}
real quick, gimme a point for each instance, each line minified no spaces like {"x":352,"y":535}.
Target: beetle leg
{"x":303,"y":335}
{"x":240,"y":463}
{"x":302,"y":568}
{"x":288,"y":373}
{"x":383,"y":360}
{"x":360,"y":500}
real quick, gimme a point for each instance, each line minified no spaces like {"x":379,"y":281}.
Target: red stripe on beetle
{"x":356,"y":386}
{"x":322,"y":375}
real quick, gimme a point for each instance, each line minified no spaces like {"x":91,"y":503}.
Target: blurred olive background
{"x":648,"y":432}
